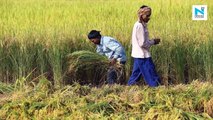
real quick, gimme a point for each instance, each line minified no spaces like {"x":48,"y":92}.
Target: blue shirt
{"x":111,"y":48}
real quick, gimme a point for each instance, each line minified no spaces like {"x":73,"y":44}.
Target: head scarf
{"x":143,"y":11}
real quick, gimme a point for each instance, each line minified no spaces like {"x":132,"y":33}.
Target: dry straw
{"x":86,"y":67}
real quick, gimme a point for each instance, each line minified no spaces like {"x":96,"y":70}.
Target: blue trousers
{"x":146,"y":68}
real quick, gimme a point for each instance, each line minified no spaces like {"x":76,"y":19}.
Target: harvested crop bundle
{"x":86,"y":67}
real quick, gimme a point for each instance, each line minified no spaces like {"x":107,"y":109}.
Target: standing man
{"x":115,"y":52}
{"x":143,"y":64}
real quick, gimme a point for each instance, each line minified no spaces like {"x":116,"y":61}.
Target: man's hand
{"x":157,"y":40}
{"x":112,"y":61}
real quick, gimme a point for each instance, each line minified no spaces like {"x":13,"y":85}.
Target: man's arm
{"x":99,"y":51}
{"x":115,"y":47}
{"x":140,"y":34}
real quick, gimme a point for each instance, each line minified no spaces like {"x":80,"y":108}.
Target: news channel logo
{"x":199,"y":12}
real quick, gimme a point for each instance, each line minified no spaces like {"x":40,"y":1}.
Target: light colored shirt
{"x":111,"y":48}
{"x":140,"y":41}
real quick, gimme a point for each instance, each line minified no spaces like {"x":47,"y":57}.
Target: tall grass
{"x":36,"y":36}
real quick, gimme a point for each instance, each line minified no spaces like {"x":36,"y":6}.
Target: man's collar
{"x":143,"y":23}
{"x":101,"y":40}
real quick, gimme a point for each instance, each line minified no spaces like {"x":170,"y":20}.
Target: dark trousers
{"x":116,"y":74}
{"x":146,"y":68}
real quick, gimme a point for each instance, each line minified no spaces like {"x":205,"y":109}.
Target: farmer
{"x":143,"y":64}
{"x":115,"y":52}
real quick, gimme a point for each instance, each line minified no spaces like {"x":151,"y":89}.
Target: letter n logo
{"x":199,"y":12}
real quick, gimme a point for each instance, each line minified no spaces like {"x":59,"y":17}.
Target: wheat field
{"x":36,"y":36}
